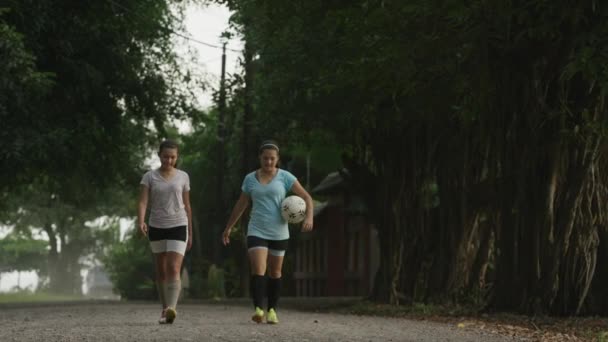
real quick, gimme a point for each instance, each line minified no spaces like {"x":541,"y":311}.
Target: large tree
{"x":110,"y":70}
{"x":21,"y":88}
{"x":475,"y":130}
{"x":86,"y":88}
{"x":75,"y":233}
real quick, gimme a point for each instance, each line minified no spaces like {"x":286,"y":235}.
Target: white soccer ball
{"x":293,"y":209}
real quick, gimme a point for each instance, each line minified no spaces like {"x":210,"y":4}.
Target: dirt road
{"x":210,"y":322}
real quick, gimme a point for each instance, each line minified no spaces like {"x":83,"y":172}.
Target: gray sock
{"x":160,"y":288}
{"x":172,"y":288}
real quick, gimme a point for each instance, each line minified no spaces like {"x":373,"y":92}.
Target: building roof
{"x":319,"y":207}
{"x":331,"y":183}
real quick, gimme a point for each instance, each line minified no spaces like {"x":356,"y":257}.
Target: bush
{"x":130,"y":265}
{"x":198,"y":271}
{"x":215,"y":282}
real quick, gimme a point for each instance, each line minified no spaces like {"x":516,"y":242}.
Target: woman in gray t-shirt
{"x":167,"y":192}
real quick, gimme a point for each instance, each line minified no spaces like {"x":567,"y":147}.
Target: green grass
{"x":29,"y":297}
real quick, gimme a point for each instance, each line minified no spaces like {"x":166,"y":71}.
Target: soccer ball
{"x":293,"y":209}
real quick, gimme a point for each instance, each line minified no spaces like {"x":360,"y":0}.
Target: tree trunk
{"x":53,"y":259}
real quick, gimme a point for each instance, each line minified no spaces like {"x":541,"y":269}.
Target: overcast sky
{"x":206,"y":24}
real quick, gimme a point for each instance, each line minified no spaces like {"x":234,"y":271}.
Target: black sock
{"x":258,"y":289}
{"x":274,"y":292}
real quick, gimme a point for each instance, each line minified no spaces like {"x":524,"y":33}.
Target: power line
{"x":192,"y":39}
{"x":201,"y":42}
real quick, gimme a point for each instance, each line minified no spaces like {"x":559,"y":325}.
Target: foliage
{"x":215,"y":283}
{"x":75,"y":233}
{"x":21,"y":253}
{"x":21,"y":88}
{"x":499,"y":105}
{"x":130,"y":265}
{"x":108,"y":70}
{"x":198,"y":271}
{"x":86,"y":89}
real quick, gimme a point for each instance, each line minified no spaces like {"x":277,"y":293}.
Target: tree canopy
{"x":90,"y":84}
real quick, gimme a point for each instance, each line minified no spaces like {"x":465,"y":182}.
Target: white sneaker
{"x":163,"y":317}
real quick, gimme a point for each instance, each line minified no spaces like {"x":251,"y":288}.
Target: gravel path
{"x":211,"y":322}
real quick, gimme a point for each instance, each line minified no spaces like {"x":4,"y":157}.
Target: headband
{"x":270,"y":145}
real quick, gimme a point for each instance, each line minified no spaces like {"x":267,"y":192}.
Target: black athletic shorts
{"x":164,"y":240}
{"x":176,"y":233}
{"x":275,"y":247}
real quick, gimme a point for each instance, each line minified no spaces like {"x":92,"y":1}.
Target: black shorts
{"x":164,"y":240}
{"x":179,"y":233}
{"x":275,"y":247}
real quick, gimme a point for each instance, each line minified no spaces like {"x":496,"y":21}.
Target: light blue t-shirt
{"x":266,"y":221}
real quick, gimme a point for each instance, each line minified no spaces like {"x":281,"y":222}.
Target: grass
{"x":35,"y":297}
{"x":602,"y":336}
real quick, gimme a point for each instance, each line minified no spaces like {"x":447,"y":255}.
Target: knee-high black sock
{"x":274,"y":292}
{"x":258,"y":290}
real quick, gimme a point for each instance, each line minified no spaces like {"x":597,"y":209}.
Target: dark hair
{"x":168,"y":144}
{"x":268,"y":145}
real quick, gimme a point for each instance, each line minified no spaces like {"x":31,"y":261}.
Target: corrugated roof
{"x":330,"y":183}
{"x":319,"y":207}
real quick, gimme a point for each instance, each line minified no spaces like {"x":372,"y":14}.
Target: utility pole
{"x":246,"y":150}
{"x":221,"y":137}
{"x":308,"y":170}
{"x":247,"y":110}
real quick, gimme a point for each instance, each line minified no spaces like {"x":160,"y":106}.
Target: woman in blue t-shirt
{"x":268,"y":232}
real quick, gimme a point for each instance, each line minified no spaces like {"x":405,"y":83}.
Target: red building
{"x":340,"y":256}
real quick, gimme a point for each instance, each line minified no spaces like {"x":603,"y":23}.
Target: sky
{"x":206,"y":25}
{"x":203,"y":24}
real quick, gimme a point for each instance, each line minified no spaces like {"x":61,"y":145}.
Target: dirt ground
{"x":121,"y":321}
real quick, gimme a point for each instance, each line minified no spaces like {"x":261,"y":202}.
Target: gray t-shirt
{"x":166,"y":198}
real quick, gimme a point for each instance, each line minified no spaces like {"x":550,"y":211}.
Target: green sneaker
{"x":272,"y":317}
{"x":258,"y":315}
{"x":170,"y":314}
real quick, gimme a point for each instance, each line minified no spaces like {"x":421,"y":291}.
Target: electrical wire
{"x":192,"y":39}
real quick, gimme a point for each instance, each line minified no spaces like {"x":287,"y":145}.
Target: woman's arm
{"x":188,"y":208}
{"x":299,"y":190}
{"x":241,"y":204}
{"x":141,"y":210}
